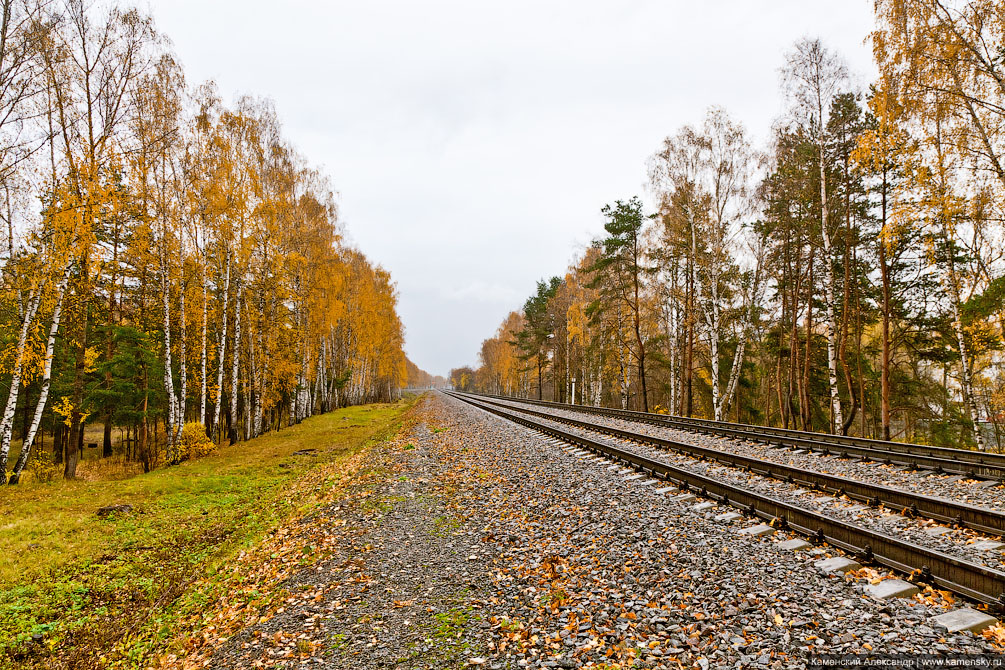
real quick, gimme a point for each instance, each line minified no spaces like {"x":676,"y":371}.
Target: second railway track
{"x":913,"y":504}
{"x":976,"y":464}
{"x":975,"y":581}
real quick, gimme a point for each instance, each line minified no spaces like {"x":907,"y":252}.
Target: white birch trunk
{"x":713,"y":345}
{"x":304,"y":386}
{"x":172,"y":411}
{"x":222,"y":350}
{"x":180,"y":420}
{"x":236,"y":359}
{"x":669,"y":321}
{"x":295,"y":402}
{"x":323,"y":375}
{"x":205,"y":324}
{"x":953,"y":288}
{"x":251,"y":406}
{"x":252,"y":388}
{"x":260,"y":386}
{"x":7,"y":425}
{"x":832,"y":372}
{"x":598,"y":397}
{"x":622,"y":377}
{"x":43,"y":395}
{"x":710,"y":312}
{"x":748,"y":320}
{"x":249,"y":390}
{"x":734,"y":373}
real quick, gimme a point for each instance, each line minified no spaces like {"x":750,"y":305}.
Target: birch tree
{"x":702,"y":177}
{"x":43,"y":395}
{"x":813,"y":76}
{"x":105,"y":53}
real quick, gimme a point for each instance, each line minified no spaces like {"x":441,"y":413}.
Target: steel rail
{"x":912,"y":504}
{"x":975,"y":464}
{"x":971,"y":580}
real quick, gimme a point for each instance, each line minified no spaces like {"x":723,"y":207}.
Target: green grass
{"x":445,"y":525}
{"x":447,"y":647}
{"x":117,"y":587}
{"x":450,"y":624}
{"x":447,"y":640}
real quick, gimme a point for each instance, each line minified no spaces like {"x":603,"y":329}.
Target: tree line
{"x":847,"y":278}
{"x":168,"y":258}
{"x":420,"y":379}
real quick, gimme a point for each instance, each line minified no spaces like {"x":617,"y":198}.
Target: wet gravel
{"x":486,"y":544}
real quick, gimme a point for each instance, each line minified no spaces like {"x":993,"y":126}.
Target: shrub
{"x":42,"y":468}
{"x":194,"y":443}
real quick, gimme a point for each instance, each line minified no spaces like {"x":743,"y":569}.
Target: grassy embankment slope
{"x":80,"y":591}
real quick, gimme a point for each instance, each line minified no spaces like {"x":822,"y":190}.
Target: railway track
{"x":974,"y":581}
{"x":974,"y":464}
{"x":912,"y":504}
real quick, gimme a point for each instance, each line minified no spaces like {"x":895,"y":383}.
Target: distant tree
{"x":462,"y":379}
{"x":618,"y":275}
{"x":535,"y":339}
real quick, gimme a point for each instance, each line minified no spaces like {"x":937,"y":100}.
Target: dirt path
{"x":402,"y":589}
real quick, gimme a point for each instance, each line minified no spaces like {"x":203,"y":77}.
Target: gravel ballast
{"x":961,"y":542}
{"x":955,"y":487}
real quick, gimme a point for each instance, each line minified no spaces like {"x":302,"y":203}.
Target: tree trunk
{"x":236,"y":355}
{"x":205,"y":325}
{"x":106,"y":442}
{"x":7,"y":424}
{"x":222,"y":350}
{"x":804,"y":393}
{"x":43,"y":394}
{"x":540,"y":387}
{"x":966,"y":374}
{"x":638,"y":327}
{"x":884,"y":269}
{"x":748,"y":319}
{"x":858,"y":360}
{"x":837,"y":419}
{"x":76,"y":433}
{"x":172,"y":411}
{"x":846,"y":309}
{"x":260,"y":386}
{"x":183,"y":371}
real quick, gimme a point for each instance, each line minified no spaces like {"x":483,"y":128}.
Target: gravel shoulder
{"x":398,"y":586}
{"x":481,"y":543}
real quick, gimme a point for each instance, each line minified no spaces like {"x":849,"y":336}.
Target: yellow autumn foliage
{"x":194,"y":443}
{"x":42,"y":469}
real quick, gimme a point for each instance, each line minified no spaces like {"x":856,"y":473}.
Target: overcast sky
{"x":474,"y":143}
